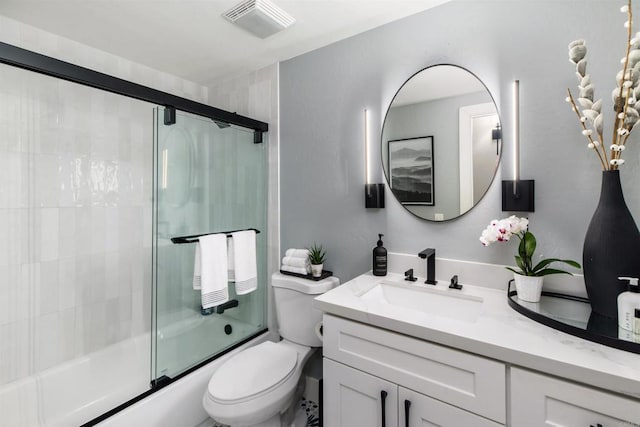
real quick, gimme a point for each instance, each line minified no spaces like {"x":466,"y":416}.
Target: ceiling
{"x":190,"y":39}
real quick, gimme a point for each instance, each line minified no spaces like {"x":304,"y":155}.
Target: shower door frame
{"x":43,"y":64}
{"x":32,"y":61}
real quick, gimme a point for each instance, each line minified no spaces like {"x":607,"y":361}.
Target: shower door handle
{"x":383,"y":398}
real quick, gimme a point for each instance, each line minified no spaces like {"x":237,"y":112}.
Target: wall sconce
{"x":517,"y":194}
{"x":496,"y":135}
{"x":373,"y":193}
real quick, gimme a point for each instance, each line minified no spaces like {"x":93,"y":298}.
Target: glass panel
{"x":75,"y":253}
{"x":209,"y":178}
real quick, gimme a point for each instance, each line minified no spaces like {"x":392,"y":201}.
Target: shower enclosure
{"x":97,"y":306}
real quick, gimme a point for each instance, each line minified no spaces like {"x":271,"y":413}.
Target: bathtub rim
{"x":158,"y":385}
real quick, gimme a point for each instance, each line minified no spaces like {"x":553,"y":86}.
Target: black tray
{"x":324,"y":275}
{"x":573,"y":315}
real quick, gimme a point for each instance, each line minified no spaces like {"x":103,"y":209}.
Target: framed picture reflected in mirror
{"x":411,"y":170}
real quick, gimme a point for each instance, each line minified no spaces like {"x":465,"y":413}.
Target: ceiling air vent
{"x":260,"y":17}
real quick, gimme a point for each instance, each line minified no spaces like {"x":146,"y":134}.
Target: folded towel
{"x":213,"y":259}
{"x":230,"y":260}
{"x":296,"y":262}
{"x":297,"y":253}
{"x":244,"y":261}
{"x":296,"y":270}
{"x":197,"y":269}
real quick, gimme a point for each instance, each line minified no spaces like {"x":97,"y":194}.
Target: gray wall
{"x":323,"y":94}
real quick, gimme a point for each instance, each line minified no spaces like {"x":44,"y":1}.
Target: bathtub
{"x":81,"y":389}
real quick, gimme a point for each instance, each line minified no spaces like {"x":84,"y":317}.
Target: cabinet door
{"x":465,"y":380}
{"x":352,"y":398}
{"x":538,"y":400}
{"x":424,"y":411}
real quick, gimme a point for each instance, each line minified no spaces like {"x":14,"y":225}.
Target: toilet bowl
{"x":258,"y":386}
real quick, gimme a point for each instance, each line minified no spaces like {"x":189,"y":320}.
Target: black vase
{"x":611,"y":248}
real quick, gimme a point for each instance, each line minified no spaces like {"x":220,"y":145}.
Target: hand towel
{"x":296,"y":270}
{"x":230,"y":260}
{"x":296,"y":262}
{"x":297,"y":253}
{"x":213,"y":260}
{"x":197,"y":269}
{"x":244,"y":261}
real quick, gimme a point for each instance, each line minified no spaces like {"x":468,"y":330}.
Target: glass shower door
{"x":209,"y":177}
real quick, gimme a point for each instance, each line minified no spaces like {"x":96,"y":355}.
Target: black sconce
{"x":496,"y":135}
{"x":517,"y":195}
{"x":373,"y":193}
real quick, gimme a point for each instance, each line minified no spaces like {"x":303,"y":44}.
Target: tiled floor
{"x":311,"y":409}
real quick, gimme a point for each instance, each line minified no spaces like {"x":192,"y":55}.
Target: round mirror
{"x":441,"y":142}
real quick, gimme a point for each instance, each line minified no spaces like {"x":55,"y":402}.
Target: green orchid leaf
{"x":545,"y":262}
{"x":530,"y":244}
{"x":548,"y":271}
{"x":521,"y":264}
{"x":514,"y":270}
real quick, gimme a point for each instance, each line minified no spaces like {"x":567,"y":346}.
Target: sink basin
{"x":447,"y":303}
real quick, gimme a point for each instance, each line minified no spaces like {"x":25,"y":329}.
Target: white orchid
{"x":625,"y":98}
{"x":502,"y":230}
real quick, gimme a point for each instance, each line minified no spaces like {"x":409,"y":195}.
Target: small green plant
{"x":317,"y":254}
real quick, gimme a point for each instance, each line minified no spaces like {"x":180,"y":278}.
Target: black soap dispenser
{"x":379,"y":258}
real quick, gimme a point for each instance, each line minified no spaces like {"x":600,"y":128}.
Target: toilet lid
{"x":253,"y":371}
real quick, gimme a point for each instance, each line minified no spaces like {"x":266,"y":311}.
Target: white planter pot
{"x":529,"y":288}
{"x":316,"y":270}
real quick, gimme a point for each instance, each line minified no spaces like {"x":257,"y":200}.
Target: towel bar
{"x":194,"y":238}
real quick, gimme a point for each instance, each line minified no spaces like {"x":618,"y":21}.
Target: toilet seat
{"x":253,"y":372}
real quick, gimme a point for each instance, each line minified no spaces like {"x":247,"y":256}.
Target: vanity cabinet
{"x":539,"y":400}
{"x":445,"y":386}
{"x":356,"y":398}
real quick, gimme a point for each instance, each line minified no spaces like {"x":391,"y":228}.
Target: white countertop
{"x":499,"y":332}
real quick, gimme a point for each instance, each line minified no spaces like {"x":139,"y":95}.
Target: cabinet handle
{"x":383,"y":397}
{"x":407,"y":405}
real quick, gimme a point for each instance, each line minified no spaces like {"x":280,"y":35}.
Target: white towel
{"x":297,"y":270}
{"x":244,"y":261}
{"x":296,"y":262}
{"x":213,"y":260}
{"x":297,"y":253}
{"x":197,"y":269}
{"x":230,"y":261}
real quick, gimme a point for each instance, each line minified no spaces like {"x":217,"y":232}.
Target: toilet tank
{"x":297,"y":319}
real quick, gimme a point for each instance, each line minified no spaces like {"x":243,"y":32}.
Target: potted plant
{"x":317,"y":256}
{"x":528,"y":277}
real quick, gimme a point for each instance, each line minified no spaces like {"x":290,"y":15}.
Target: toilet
{"x":259,"y":386}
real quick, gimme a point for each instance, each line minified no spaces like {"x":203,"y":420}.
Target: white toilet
{"x":260,"y":385}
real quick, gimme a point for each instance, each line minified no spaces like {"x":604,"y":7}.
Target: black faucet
{"x":430,"y":255}
{"x":408,"y":275}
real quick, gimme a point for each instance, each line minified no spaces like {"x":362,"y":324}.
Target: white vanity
{"x":406,"y":354}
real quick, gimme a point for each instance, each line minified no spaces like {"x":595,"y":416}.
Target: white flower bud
{"x":587,"y":132}
{"x":583,"y":119}
{"x":627,"y":84}
{"x":621,"y":116}
{"x":596,"y":143}
{"x":620,"y":161}
{"x":567,"y":99}
{"x":624,"y":9}
{"x":627,"y":23}
{"x":590,"y":145}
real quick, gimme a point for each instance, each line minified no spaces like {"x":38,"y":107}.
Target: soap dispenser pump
{"x":627,"y":303}
{"x":379,"y":258}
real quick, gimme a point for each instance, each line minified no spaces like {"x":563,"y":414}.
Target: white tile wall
{"x":256,"y":95}
{"x":75,"y":194}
